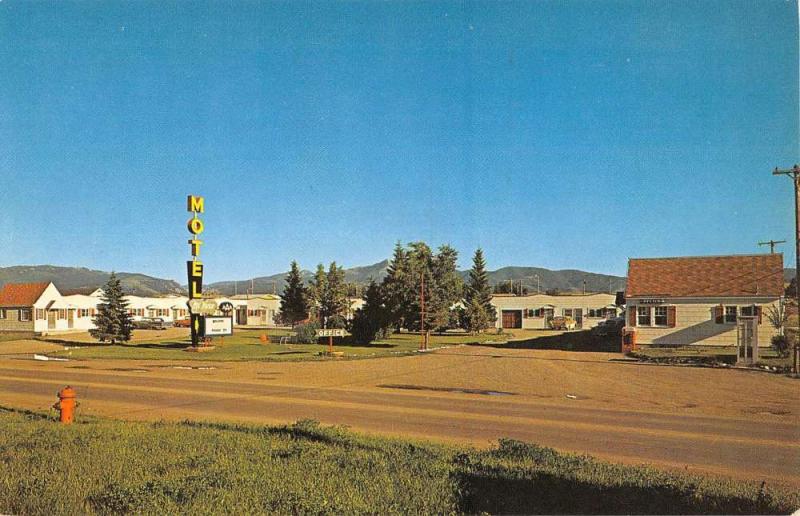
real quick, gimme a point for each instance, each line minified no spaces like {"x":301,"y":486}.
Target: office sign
{"x":330,"y":332}
{"x":216,"y":326}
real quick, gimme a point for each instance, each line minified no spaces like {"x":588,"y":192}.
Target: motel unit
{"x":699,"y":300}
{"x":42,"y":309}
{"x":537,"y":311}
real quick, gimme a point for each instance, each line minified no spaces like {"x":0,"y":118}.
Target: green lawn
{"x":246,"y":345}
{"x":100,"y":466}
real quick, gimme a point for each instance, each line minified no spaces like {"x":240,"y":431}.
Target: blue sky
{"x":557,"y":134}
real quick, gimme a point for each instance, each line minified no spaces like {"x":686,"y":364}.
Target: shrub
{"x":307,"y":332}
{"x":780,"y":343}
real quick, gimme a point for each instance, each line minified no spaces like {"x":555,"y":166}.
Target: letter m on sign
{"x":194,"y":204}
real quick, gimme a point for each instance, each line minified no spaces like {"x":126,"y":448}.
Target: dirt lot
{"x":736,"y":423}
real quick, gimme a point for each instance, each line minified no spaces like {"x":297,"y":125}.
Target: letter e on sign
{"x":194,"y":204}
{"x":197,"y":268}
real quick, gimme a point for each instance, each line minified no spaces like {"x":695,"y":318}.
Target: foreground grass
{"x":246,"y":345}
{"x":105,"y":466}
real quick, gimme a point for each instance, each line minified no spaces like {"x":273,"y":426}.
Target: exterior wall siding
{"x":12,"y":323}
{"x":695,"y":323}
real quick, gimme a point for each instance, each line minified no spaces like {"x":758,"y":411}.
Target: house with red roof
{"x":31,"y":307}
{"x":700,"y":299}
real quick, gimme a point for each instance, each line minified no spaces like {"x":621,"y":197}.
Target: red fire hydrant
{"x":66,"y":404}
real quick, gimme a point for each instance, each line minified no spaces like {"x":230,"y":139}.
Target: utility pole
{"x":584,"y":287}
{"x":794,"y":173}
{"x":772,"y":244}
{"x":423,"y":343}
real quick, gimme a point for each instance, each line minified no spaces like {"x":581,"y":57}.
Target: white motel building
{"x":535,"y":311}
{"x":699,"y":300}
{"x":42,"y":309}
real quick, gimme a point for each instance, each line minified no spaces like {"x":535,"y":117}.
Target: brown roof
{"x":706,"y":276}
{"x":21,"y":294}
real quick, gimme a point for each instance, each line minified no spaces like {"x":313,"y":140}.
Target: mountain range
{"x":68,"y":279}
{"x":82,"y":279}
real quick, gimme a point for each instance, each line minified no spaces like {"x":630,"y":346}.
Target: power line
{"x":772,"y":244}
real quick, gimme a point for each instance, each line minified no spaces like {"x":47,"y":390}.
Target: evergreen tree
{"x":294,"y":305}
{"x":479,"y":312}
{"x":335,"y":303}
{"x":447,"y":289}
{"x":112,"y":322}
{"x":316,"y":292}
{"x":373,"y":319}
{"x":397,"y":286}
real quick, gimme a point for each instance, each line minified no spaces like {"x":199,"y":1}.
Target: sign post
{"x":330,"y":333}
{"x":194,"y":267}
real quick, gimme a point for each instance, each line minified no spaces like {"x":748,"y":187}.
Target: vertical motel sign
{"x":194,"y":267}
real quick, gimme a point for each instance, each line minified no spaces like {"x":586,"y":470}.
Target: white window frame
{"x":3,"y":313}
{"x":25,"y":314}
{"x":751,"y":308}
{"x":640,"y":315}
{"x":665,"y":316}
{"x":725,"y":315}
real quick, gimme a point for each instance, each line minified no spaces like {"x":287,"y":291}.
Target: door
{"x":512,"y":319}
{"x":70,"y":318}
{"x":51,"y":319}
{"x":577,"y":314}
{"x":241,"y":316}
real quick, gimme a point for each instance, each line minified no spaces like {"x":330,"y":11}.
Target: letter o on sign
{"x":195,"y":226}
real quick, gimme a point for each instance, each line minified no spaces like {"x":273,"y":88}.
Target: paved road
{"x":418,"y":397}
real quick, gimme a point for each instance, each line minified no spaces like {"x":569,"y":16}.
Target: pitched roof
{"x":706,"y":276}
{"x":21,"y":294}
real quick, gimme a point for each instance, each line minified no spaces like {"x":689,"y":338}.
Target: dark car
{"x":150,"y":323}
{"x":609,"y":328}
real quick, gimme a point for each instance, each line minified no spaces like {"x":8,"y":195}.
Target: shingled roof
{"x":21,"y":294}
{"x":706,"y":276}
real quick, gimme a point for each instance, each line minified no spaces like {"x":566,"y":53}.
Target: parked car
{"x":182,"y":323}
{"x":563,"y":323}
{"x":609,"y":328}
{"x":150,"y":323}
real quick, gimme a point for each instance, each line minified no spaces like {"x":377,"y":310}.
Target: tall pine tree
{"x":335,"y":303}
{"x":294,"y":304}
{"x":397,"y":286}
{"x":112,"y":322}
{"x":480,"y":314}
{"x":372,"y":320}
{"x":316,"y":293}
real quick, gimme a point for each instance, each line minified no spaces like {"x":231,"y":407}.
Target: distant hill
{"x":80,"y":278}
{"x":569,"y":280}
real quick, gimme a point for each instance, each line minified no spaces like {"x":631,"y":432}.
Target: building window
{"x":25,"y":314}
{"x":39,"y":313}
{"x":660,"y":315}
{"x":3,"y":313}
{"x":643,"y":315}
{"x":747,"y":311}
{"x":730,"y":314}
{"x":83,"y":312}
{"x":567,"y":312}
{"x":62,"y":313}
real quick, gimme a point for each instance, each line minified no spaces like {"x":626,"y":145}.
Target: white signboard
{"x":332,"y":332}
{"x":219,"y":326}
{"x":202,"y":306}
